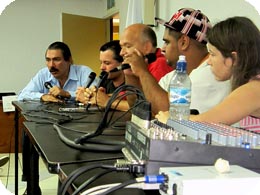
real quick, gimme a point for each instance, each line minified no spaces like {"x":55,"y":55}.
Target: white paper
{"x":7,"y":103}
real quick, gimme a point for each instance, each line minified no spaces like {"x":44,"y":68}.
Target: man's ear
{"x":184,"y":42}
{"x":71,"y":60}
{"x":148,"y":47}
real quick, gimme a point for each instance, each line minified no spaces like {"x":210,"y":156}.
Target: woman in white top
{"x":234,"y":48}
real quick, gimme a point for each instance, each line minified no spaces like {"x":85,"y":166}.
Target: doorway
{"x":84,"y":35}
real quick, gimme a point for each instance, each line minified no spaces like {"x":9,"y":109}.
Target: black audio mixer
{"x":187,"y":143}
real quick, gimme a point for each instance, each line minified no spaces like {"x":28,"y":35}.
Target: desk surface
{"x":48,"y":143}
{"x":56,"y":153}
{"x":63,"y":159}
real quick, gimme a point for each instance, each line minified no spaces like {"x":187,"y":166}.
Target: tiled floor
{"x":48,"y":182}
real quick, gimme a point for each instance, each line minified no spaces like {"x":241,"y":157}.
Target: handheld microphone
{"x":102,"y":77}
{"x":90,"y":80}
{"x":151,"y":57}
{"x":48,"y":85}
{"x":121,"y":67}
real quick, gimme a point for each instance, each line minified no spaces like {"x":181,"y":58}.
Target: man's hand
{"x":50,"y":98}
{"x":163,"y":116}
{"x":137,"y":62}
{"x":58,"y":92}
{"x":84,"y":95}
{"x":99,"y":97}
{"x":80,"y":97}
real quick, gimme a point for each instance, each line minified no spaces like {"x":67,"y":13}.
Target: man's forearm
{"x":134,"y":81}
{"x":154,"y":93}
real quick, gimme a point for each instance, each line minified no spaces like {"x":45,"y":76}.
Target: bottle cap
{"x":181,"y":64}
{"x":182,"y":58}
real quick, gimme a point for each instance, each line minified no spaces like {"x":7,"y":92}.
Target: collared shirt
{"x":78,"y":76}
{"x":159,"y":67}
{"x":206,"y":91}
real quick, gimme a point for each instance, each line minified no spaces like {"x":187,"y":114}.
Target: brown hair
{"x":238,"y":34}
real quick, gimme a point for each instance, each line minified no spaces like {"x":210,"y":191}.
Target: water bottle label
{"x":180,"y":95}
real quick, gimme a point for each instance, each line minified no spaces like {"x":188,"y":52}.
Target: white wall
{"x":216,"y":10}
{"x":27,"y":27}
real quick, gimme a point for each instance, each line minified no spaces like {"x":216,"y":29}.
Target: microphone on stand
{"x":48,"y":85}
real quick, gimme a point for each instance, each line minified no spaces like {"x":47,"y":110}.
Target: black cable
{"x":120,"y":98}
{"x":125,"y":113}
{"x":130,"y":90}
{"x":55,"y":120}
{"x":104,"y":145}
{"x":122,"y":185}
{"x":103,"y":122}
{"x":57,"y":113}
{"x":118,"y":127}
{"x":74,"y":130}
{"x":76,"y":173}
{"x":95,"y":145}
{"x":90,"y":180}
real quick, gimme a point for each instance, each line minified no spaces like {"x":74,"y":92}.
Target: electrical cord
{"x":103,"y":122}
{"x":55,"y":120}
{"x":98,"y":189}
{"x":141,"y":181}
{"x":71,"y":129}
{"x":130,"y":109}
{"x":122,"y":185}
{"x":120,"y":167}
{"x":90,"y":180}
{"x":75,"y":174}
{"x":120,"y":98}
{"x":95,"y":145}
{"x":102,"y":188}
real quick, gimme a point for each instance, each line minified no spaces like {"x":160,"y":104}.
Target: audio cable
{"x":103,"y":124}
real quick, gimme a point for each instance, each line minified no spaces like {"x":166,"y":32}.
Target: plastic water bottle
{"x":180,"y":92}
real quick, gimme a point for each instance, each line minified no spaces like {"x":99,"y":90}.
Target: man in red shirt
{"x":143,"y":38}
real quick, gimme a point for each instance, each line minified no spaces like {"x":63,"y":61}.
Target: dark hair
{"x":115,"y":47}
{"x":178,"y":35}
{"x":238,"y":34}
{"x":63,"y":47}
{"x":149,"y":34}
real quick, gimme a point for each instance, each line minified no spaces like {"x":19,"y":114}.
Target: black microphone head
{"x":92,"y":75}
{"x":151,"y":57}
{"x":114,"y":70}
{"x":125,"y":66}
{"x":91,"y":78}
{"x":102,"y":77}
{"x":48,"y":85}
{"x":102,"y":74}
